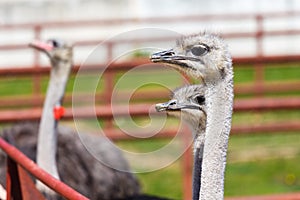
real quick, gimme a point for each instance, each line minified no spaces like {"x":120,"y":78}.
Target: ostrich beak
{"x":165,"y":106}
{"x":162,"y":56}
{"x":42,"y":46}
{"x":171,"y":58}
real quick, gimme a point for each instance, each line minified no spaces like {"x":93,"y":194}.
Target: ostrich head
{"x":187,"y":102}
{"x":202,"y":56}
{"x":56,"y":50}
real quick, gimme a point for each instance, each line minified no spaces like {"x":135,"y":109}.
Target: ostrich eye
{"x":55,"y":43}
{"x":199,"y":50}
{"x":200,"y":100}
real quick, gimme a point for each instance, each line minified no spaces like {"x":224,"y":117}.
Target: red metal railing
{"x":258,"y":88}
{"x":40,"y":174}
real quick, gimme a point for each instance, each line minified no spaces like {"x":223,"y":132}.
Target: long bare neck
{"x":47,"y":137}
{"x":198,"y":159}
{"x":219,"y":96}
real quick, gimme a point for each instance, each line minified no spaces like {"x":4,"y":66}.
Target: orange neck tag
{"x":58,"y":112}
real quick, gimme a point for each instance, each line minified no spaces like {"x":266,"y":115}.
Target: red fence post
{"x":13,"y":185}
{"x":186,"y":160}
{"x":187,"y":164}
{"x":36,"y":77}
{"x":108,"y":83}
{"x":259,"y":67}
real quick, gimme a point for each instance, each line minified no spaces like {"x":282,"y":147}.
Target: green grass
{"x":272,"y":72}
{"x":255,"y":118}
{"x":243,"y":74}
{"x":142,"y":146}
{"x":166,"y":182}
{"x":277,"y":72}
{"x":148,"y":79}
{"x":263,"y":177}
{"x":15,"y":86}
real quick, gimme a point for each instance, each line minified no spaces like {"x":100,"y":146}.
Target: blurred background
{"x":117,"y":36}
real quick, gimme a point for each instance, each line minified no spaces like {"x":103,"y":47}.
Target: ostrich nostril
{"x":169,"y":53}
{"x":172,"y":103}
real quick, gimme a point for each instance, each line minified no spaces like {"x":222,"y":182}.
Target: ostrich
{"x":75,"y":165}
{"x":60,"y":55}
{"x":206,"y":57}
{"x":188,"y":103}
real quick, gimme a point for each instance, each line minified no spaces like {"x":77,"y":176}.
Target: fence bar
{"x":127,"y":65}
{"x":143,"y":109}
{"x":18,"y":183}
{"x":267,"y":104}
{"x":39,"y":173}
{"x":29,"y":191}
{"x":259,"y":67}
{"x":36,"y":87}
{"x":278,"y":127}
{"x":109,"y":83}
{"x":157,"y":95}
{"x":291,"y":196}
{"x":13,"y":185}
{"x":187,"y":165}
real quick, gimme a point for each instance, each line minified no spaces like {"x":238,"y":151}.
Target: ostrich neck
{"x":219,"y":96}
{"x":198,"y":158}
{"x":47,"y":137}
